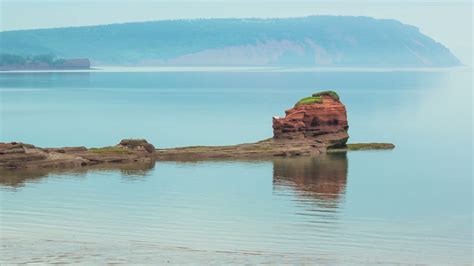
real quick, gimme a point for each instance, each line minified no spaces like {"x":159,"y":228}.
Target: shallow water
{"x":409,"y":205}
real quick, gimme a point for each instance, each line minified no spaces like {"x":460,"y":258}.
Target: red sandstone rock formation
{"x":321,"y":118}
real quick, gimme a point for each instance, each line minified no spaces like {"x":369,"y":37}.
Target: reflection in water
{"x":19,"y":177}
{"x":320,"y":179}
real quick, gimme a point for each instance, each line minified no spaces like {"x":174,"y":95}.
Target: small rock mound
{"x":320,"y":118}
{"x":16,"y":154}
{"x":14,"y":147}
{"x":137,"y":145}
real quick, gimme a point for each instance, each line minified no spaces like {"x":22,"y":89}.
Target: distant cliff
{"x":332,"y":41}
{"x":10,"y":62}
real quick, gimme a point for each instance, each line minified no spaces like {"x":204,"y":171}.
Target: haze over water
{"x":409,"y":205}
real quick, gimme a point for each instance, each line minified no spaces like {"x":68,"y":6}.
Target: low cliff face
{"x":320,"y":118}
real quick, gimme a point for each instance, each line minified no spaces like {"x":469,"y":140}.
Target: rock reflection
{"x":320,"y":179}
{"x":20,"y":177}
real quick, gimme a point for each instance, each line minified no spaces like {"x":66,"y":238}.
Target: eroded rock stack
{"x":320,"y":118}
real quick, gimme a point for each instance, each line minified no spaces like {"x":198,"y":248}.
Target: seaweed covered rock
{"x":320,"y":118}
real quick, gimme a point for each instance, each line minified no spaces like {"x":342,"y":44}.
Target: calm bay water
{"x":409,"y":205}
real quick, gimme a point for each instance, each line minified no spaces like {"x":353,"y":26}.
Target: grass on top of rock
{"x":110,"y":150}
{"x":331,"y":94}
{"x":317,"y":98}
{"x":309,"y":100}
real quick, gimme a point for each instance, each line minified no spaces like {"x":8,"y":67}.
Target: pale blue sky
{"x":447,"y":21}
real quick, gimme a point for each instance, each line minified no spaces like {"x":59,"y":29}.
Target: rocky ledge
{"x":20,"y":155}
{"x":260,"y":150}
{"x":315,"y":125}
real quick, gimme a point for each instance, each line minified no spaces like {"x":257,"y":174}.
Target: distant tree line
{"x":14,"y":59}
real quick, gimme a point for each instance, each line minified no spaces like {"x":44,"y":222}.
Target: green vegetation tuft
{"x":110,"y":150}
{"x":317,"y":98}
{"x":309,"y":100}
{"x":331,"y":94}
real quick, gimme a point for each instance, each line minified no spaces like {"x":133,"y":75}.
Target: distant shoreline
{"x":113,"y":69}
{"x":35,"y":69}
{"x":340,"y":41}
{"x":62,"y":64}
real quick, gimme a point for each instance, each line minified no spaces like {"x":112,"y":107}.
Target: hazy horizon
{"x":222,"y":132}
{"x":454,"y":30}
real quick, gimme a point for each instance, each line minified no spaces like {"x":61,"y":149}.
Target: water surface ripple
{"x":410,"y":205}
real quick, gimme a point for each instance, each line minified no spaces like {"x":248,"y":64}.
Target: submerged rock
{"x":321,"y":119}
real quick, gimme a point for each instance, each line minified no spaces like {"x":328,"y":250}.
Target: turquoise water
{"x":409,"y":205}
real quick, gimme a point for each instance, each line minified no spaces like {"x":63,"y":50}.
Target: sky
{"x":446,"y":21}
